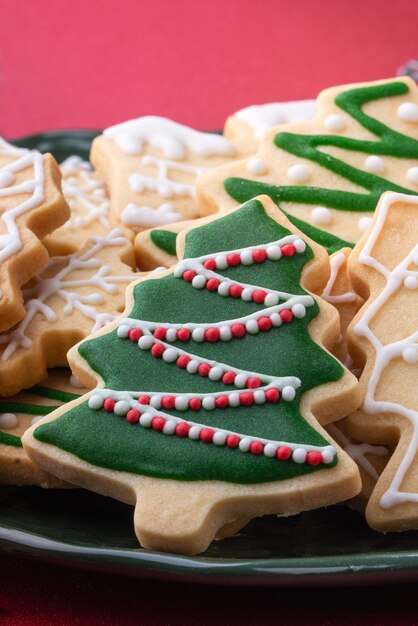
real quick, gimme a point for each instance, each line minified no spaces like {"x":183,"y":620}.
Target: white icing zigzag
{"x":406,"y":348}
{"x":358,"y":451}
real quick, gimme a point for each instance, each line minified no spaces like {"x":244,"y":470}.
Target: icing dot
{"x":198,"y":334}
{"x":321,"y":215}
{"x":223,"y":288}
{"x":247,"y":294}
{"x":240,"y":381}
{"x":410,"y":355}
{"x":364,"y":223}
{"x":234,"y":400}
{"x":219,"y":438}
{"x":298,"y":173}
{"x":146,"y":419}
{"x":334,"y":122}
{"x":259,"y":396}
{"x":298,"y":310}
{"x":412,"y":175}
{"x":123,"y":331}
{"x":274,"y":253}
{"x":408,"y":112}
{"x":225,"y":332}
{"x":374,"y":164}
{"x":411,"y":282}
{"x":299,"y":455}
{"x":170,"y":355}
{"x":145,"y":342}
{"x":194,"y":432}
{"x":270,"y":450}
{"x":169,"y":427}
{"x":244,"y":444}
{"x":192,"y":367}
{"x":155,"y":402}
{"x":36,"y":419}
{"x":288,"y":393}
{"x":221,"y":261}
{"x":216,"y":373}
{"x":328,"y":455}
{"x":208,"y":403}
{"x":121,"y":407}
{"x":95,"y":401}
{"x":271,"y":299}
{"x":8,"y":420}
{"x":247,"y":257}
{"x":199,"y":282}
{"x":256,"y":166}
{"x":300,"y":245}
{"x":171,"y":334}
{"x":6,"y":178}
{"x":181,"y":403}
{"x":252,"y":327}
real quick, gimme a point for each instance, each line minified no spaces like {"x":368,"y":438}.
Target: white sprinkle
{"x":122,"y":331}
{"x":259,"y":396}
{"x":410,"y":355}
{"x":298,"y":173}
{"x":169,"y":427}
{"x":216,"y":373}
{"x":288,"y":393}
{"x":95,"y":401}
{"x":246,"y":294}
{"x":199,"y":281}
{"x":271,"y":299}
{"x":145,"y":342}
{"x":299,"y":455}
{"x":274,"y":253}
{"x":146,"y":419}
{"x":171,"y":334}
{"x":412,"y":175}
{"x":221,"y":261}
{"x":208,"y":403}
{"x":408,"y":112}
{"x":244,"y":444}
{"x":321,"y":215}
{"x":411,"y":282}
{"x":234,"y":399}
{"x":8,"y":421}
{"x":328,"y":455}
{"x":364,"y":223}
{"x":298,"y":311}
{"x":194,"y":432}
{"x":374,"y":164}
{"x":121,"y":407}
{"x":225,"y":333}
{"x":252,"y":327}
{"x":219,"y":438}
{"x":198,"y":335}
{"x":270,"y":449}
{"x":170,"y":355}
{"x":192,"y":366}
{"x":276,"y":320}
{"x":300,"y":245}
{"x":256,"y":166}
{"x":247,"y":257}
{"x":155,"y":401}
{"x":178,"y":271}
{"x":240,"y":381}
{"x":334,"y":122}
{"x":181,"y":403}
{"x":223,"y":288}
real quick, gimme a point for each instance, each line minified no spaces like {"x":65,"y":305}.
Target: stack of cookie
{"x":239,"y":312}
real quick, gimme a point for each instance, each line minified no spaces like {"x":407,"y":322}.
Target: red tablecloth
{"x":91,"y":64}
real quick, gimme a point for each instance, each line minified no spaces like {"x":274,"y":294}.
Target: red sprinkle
{"x":195,"y":404}
{"x":272,"y":395}
{"x":210,"y":264}
{"x":288,"y":250}
{"x":206,"y":435}
{"x":259,"y":295}
{"x":204,"y":369}
{"x":183,"y":334}
{"x":238,"y":330}
{"x":212,"y":284}
{"x":259,"y":256}
{"x":143,"y":399}
{"x":233,"y":259}
{"x":212,"y":334}
{"x":157,"y":350}
{"x":283,"y":453}
{"x":158,"y":423}
{"x":256,"y":447}
{"x":232,"y":441}
{"x":235,"y":291}
{"x":133,"y":416}
{"x":183,"y":361}
{"x":168,"y":402}
{"x":286,"y":315}
{"x":109,"y":405}
{"x":182,"y":429}
{"x":314,"y":457}
{"x":228,"y":378}
{"x":264,"y":323}
{"x":253,"y":382}
{"x":221,"y":402}
{"x":246,"y":398}
{"x":160,"y":333}
{"x":134,"y":334}
{"x":188,"y":275}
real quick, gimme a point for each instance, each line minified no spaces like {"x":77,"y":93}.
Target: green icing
{"x":165,"y":240}
{"x":54,"y":394}
{"x":10,"y":440}
{"x":106,"y":440}
{"x":390,"y":143}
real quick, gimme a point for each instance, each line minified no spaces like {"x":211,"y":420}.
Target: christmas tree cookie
{"x":18,"y":413}
{"x":89,"y":202}
{"x":31,"y":206}
{"x":384,"y":338}
{"x":73,"y":296}
{"x":150,"y":166}
{"x":211,"y":388}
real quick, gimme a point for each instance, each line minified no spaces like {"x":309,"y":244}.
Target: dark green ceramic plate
{"x":331,"y":546}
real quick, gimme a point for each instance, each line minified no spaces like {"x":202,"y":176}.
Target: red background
{"x":75,"y":63}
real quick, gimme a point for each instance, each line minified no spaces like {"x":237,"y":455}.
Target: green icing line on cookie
{"x":390,"y":143}
{"x":54,"y":394}
{"x":10,"y":440}
{"x":165,"y":240}
{"x":105,"y":440}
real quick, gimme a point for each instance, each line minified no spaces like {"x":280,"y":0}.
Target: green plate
{"x":326,"y":547}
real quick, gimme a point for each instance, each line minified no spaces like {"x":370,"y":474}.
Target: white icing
{"x":298,"y":173}
{"x":412,"y":175}
{"x":8,"y":421}
{"x":146,"y":217}
{"x":165,"y":187}
{"x":74,"y":382}
{"x":374,"y":164}
{"x":321,"y":215}
{"x":257,"y":166}
{"x":411,"y":282}
{"x":10,"y":242}
{"x":86,"y":194}
{"x":408,"y":112}
{"x":336,"y":261}
{"x":261,"y":117}
{"x":37,"y":296}
{"x":358,"y":451}
{"x":334,"y":122}
{"x":385,"y":353}
{"x":364,"y":223}
{"x":171,"y":138}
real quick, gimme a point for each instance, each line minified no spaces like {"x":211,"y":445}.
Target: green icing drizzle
{"x":390,"y":143}
{"x":10,"y":440}
{"x":165,"y":240}
{"x":54,"y":394}
{"x":106,"y":440}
